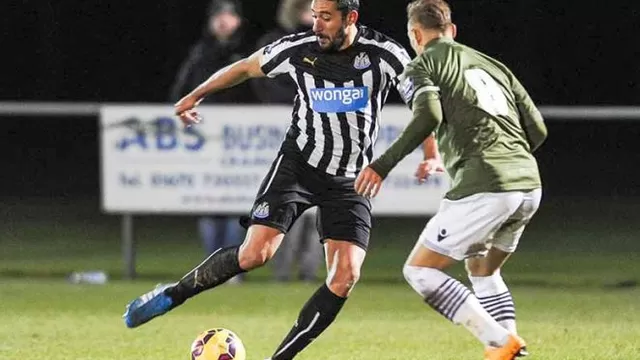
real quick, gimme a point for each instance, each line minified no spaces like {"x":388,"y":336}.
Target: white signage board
{"x":151,"y":164}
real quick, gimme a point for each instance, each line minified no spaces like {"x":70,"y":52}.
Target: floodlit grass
{"x":59,"y":321}
{"x":567,"y":279}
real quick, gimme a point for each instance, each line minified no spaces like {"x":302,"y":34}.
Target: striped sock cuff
{"x":448,"y":298}
{"x":501,"y":306}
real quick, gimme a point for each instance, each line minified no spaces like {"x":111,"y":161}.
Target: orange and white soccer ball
{"x":218,"y":344}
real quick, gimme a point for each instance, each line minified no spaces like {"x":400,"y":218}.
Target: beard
{"x":333,"y":43}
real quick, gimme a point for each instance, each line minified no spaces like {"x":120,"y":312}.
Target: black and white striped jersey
{"x":336,"y":113}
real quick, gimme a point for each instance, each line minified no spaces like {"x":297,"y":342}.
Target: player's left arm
{"x":531,"y":118}
{"x":427,"y":115}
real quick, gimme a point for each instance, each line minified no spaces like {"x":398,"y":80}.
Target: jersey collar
{"x":442,"y":39}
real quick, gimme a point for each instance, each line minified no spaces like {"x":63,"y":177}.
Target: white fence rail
{"x":552,"y":112}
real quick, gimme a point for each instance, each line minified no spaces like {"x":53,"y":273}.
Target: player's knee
{"x":343,"y":280}
{"x":407,"y":272}
{"x":411,"y":274}
{"x":423,"y":280}
{"x":259,"y":247}
{"x":253,"y":258}
{"x":255,"y":255}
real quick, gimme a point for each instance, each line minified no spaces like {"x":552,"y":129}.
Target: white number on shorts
{"x":490,"y":97}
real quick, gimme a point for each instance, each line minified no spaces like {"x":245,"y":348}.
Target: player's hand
{"x":368,"y":183}
{"x":427,"y":168}
{"x":185,"y":109}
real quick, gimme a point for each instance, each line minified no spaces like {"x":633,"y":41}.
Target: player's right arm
{"x":530,"y":116}
{"x":271,"y":60}
{"x":423,"y":97}
{"x":226,"y":77}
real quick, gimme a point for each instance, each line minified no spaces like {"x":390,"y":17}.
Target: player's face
{"x":328,"y":24}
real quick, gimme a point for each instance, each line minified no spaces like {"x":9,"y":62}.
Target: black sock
{"x":219,"y":267}
{"x":316,"y":315}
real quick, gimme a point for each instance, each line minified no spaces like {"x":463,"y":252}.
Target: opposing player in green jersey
{"x":486,"y":127}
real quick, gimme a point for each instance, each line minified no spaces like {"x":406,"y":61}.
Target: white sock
{"x":454,"y":301}
{"x":495,"y":297}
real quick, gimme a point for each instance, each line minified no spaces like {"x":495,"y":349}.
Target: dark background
{"x":565,"y":52}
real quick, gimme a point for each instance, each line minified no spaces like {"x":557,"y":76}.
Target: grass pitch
{"x":567,"y":280}
{"x":58,"y":321}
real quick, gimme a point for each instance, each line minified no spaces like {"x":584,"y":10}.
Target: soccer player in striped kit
{"x":344,"y":72}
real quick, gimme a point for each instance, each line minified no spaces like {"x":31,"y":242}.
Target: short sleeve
{"x":276,"y":56}
{"x":396,"y":59}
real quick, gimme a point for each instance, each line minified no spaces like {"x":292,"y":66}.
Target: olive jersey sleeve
{"x":416,"y":80}
{"x":531,"y":118}
{"x":423,"y":97}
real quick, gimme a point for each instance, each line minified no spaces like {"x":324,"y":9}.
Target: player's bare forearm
{"x":427,"y":114}
{"x":230,"y":76}
{"x":430,"y":148}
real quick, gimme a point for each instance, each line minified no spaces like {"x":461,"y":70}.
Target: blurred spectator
{"x":302,"y":241}
{"x":293,"y":16}
{"x":221,"y":44}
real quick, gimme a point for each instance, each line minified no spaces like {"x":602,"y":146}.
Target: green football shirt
{"x":489,"y":126}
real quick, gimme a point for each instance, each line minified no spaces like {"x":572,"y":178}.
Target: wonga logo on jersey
{"x":337,"y":100}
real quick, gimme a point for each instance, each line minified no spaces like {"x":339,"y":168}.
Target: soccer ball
{"x":217,"y":344}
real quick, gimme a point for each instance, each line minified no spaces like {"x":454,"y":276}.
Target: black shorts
{"x":292,"y":186}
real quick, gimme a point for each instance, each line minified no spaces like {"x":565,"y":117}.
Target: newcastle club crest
{"x":362,"y":61}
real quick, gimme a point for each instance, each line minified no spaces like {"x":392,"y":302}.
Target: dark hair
{"x":430,"y":14}
{"x":216,"y":6}
{"x":345,"y":6}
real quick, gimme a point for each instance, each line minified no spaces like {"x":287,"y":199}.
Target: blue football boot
{"x":148,"y":306}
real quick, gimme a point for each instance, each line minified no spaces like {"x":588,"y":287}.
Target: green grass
{"x":61,"y":321}
{"x":571,"y":243}
{"x":566,"y":279}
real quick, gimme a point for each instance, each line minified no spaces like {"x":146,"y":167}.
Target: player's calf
{"x":215,"y":270}
{"x":490,"y":288}
{"x":344,"y":260}
{"x":495,"y":297}
{"x":454,"y":301}
{"x":259,"y":246}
